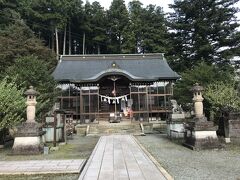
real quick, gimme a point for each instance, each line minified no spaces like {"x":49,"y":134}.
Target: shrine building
{"x":139,"y":86}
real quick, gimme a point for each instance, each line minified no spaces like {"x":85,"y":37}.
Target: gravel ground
{"x":183,"y":163}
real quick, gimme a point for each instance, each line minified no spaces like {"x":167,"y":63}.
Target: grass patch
{"x":78,"y":147}
{"x":41,"y":177}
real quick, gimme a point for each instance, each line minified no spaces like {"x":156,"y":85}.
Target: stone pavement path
{"x":41,"y":166}
{"x":119,"y":157}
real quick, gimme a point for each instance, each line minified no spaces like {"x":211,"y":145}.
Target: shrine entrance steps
{"x":124,"y":127}
{"x":106,"y":128}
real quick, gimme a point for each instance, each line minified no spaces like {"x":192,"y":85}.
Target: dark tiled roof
{"x":91,"y":68}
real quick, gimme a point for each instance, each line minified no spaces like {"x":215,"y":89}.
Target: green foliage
{"x":18,"y":40}
{"x":201,"y":31}
{"x":118,"y":19}
{"x":34,"y":73}
{"x":223,"y":96}
{"x":146,"y":32}
{"x":155,"y":35}
{"x":12,"y":104}
{"x":203,"y":74}
{"x":117,"y":30}
{"x":94,"y":26}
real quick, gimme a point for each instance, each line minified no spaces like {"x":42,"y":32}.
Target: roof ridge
{"x":111,"y":56}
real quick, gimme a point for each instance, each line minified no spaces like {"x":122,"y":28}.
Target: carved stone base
{"x":175,"y":130}
{"x":27,"y":145}
{"x":28,"y":139}
{"x":201,"y":134}
{"x":198,"y":140}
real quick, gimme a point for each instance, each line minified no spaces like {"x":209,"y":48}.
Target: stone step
{"x":114,"y":129}
{"x":106,"y":128}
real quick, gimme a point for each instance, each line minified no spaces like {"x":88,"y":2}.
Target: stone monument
{"x":231,"y":126}
{"x":28,"y":138}
{"x":200,"y":133}
{"x":175,"y":123}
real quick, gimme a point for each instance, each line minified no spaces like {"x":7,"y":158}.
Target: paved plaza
{"x":119,"y":157}
{"x":41,"y":166}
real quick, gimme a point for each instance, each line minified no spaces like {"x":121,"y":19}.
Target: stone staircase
{"x":114,"y":128}
{"x":106,"y":128}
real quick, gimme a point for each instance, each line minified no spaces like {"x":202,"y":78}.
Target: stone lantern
{"x":198,"y":100}
{"x":31,"y":104}
{"x":200,"y":133}
{"x":29,"y":136}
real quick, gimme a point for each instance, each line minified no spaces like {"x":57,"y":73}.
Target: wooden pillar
{"x":55,"y":130}
{"x":165,"y":96}
{"x":147,"y":102}
{"x":69,"y":92}
{"x":64,"y":130}
{"x":151,"y":100}
{"x":98,"y":103}
{"x":81,"y":106}
{"x":138,"y":103}
{"x":89,"y":103}
{"x":130,"y":94}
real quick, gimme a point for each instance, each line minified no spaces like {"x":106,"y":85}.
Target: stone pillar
{"x":232,"y":126}
{"x":28,"y":138}
{"x":175,"y":123}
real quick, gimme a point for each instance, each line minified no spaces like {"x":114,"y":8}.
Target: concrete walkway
{"x":119,"y":157}
{"x":41,"y":166}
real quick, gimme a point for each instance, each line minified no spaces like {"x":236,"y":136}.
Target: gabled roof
{"x":91,"y":68}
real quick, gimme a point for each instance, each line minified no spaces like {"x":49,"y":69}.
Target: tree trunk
{"x":57,"y":47}
{"x":53,"y":41}
{"x":98,"y":49}
{"x":69,"y":39}
{"x":64,"y":40}
{"x":83,"y":43}
{"x":120,"y":47}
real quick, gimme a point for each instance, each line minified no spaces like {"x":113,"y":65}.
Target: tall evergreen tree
{"x":148,"y":28}
{"x":98,"y":24}
{"x":155,"y":35}
{"x":118,"y":20}
{"x":136,"y":26}
{"x":44,"y":17}
{"x":203,"y":30}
